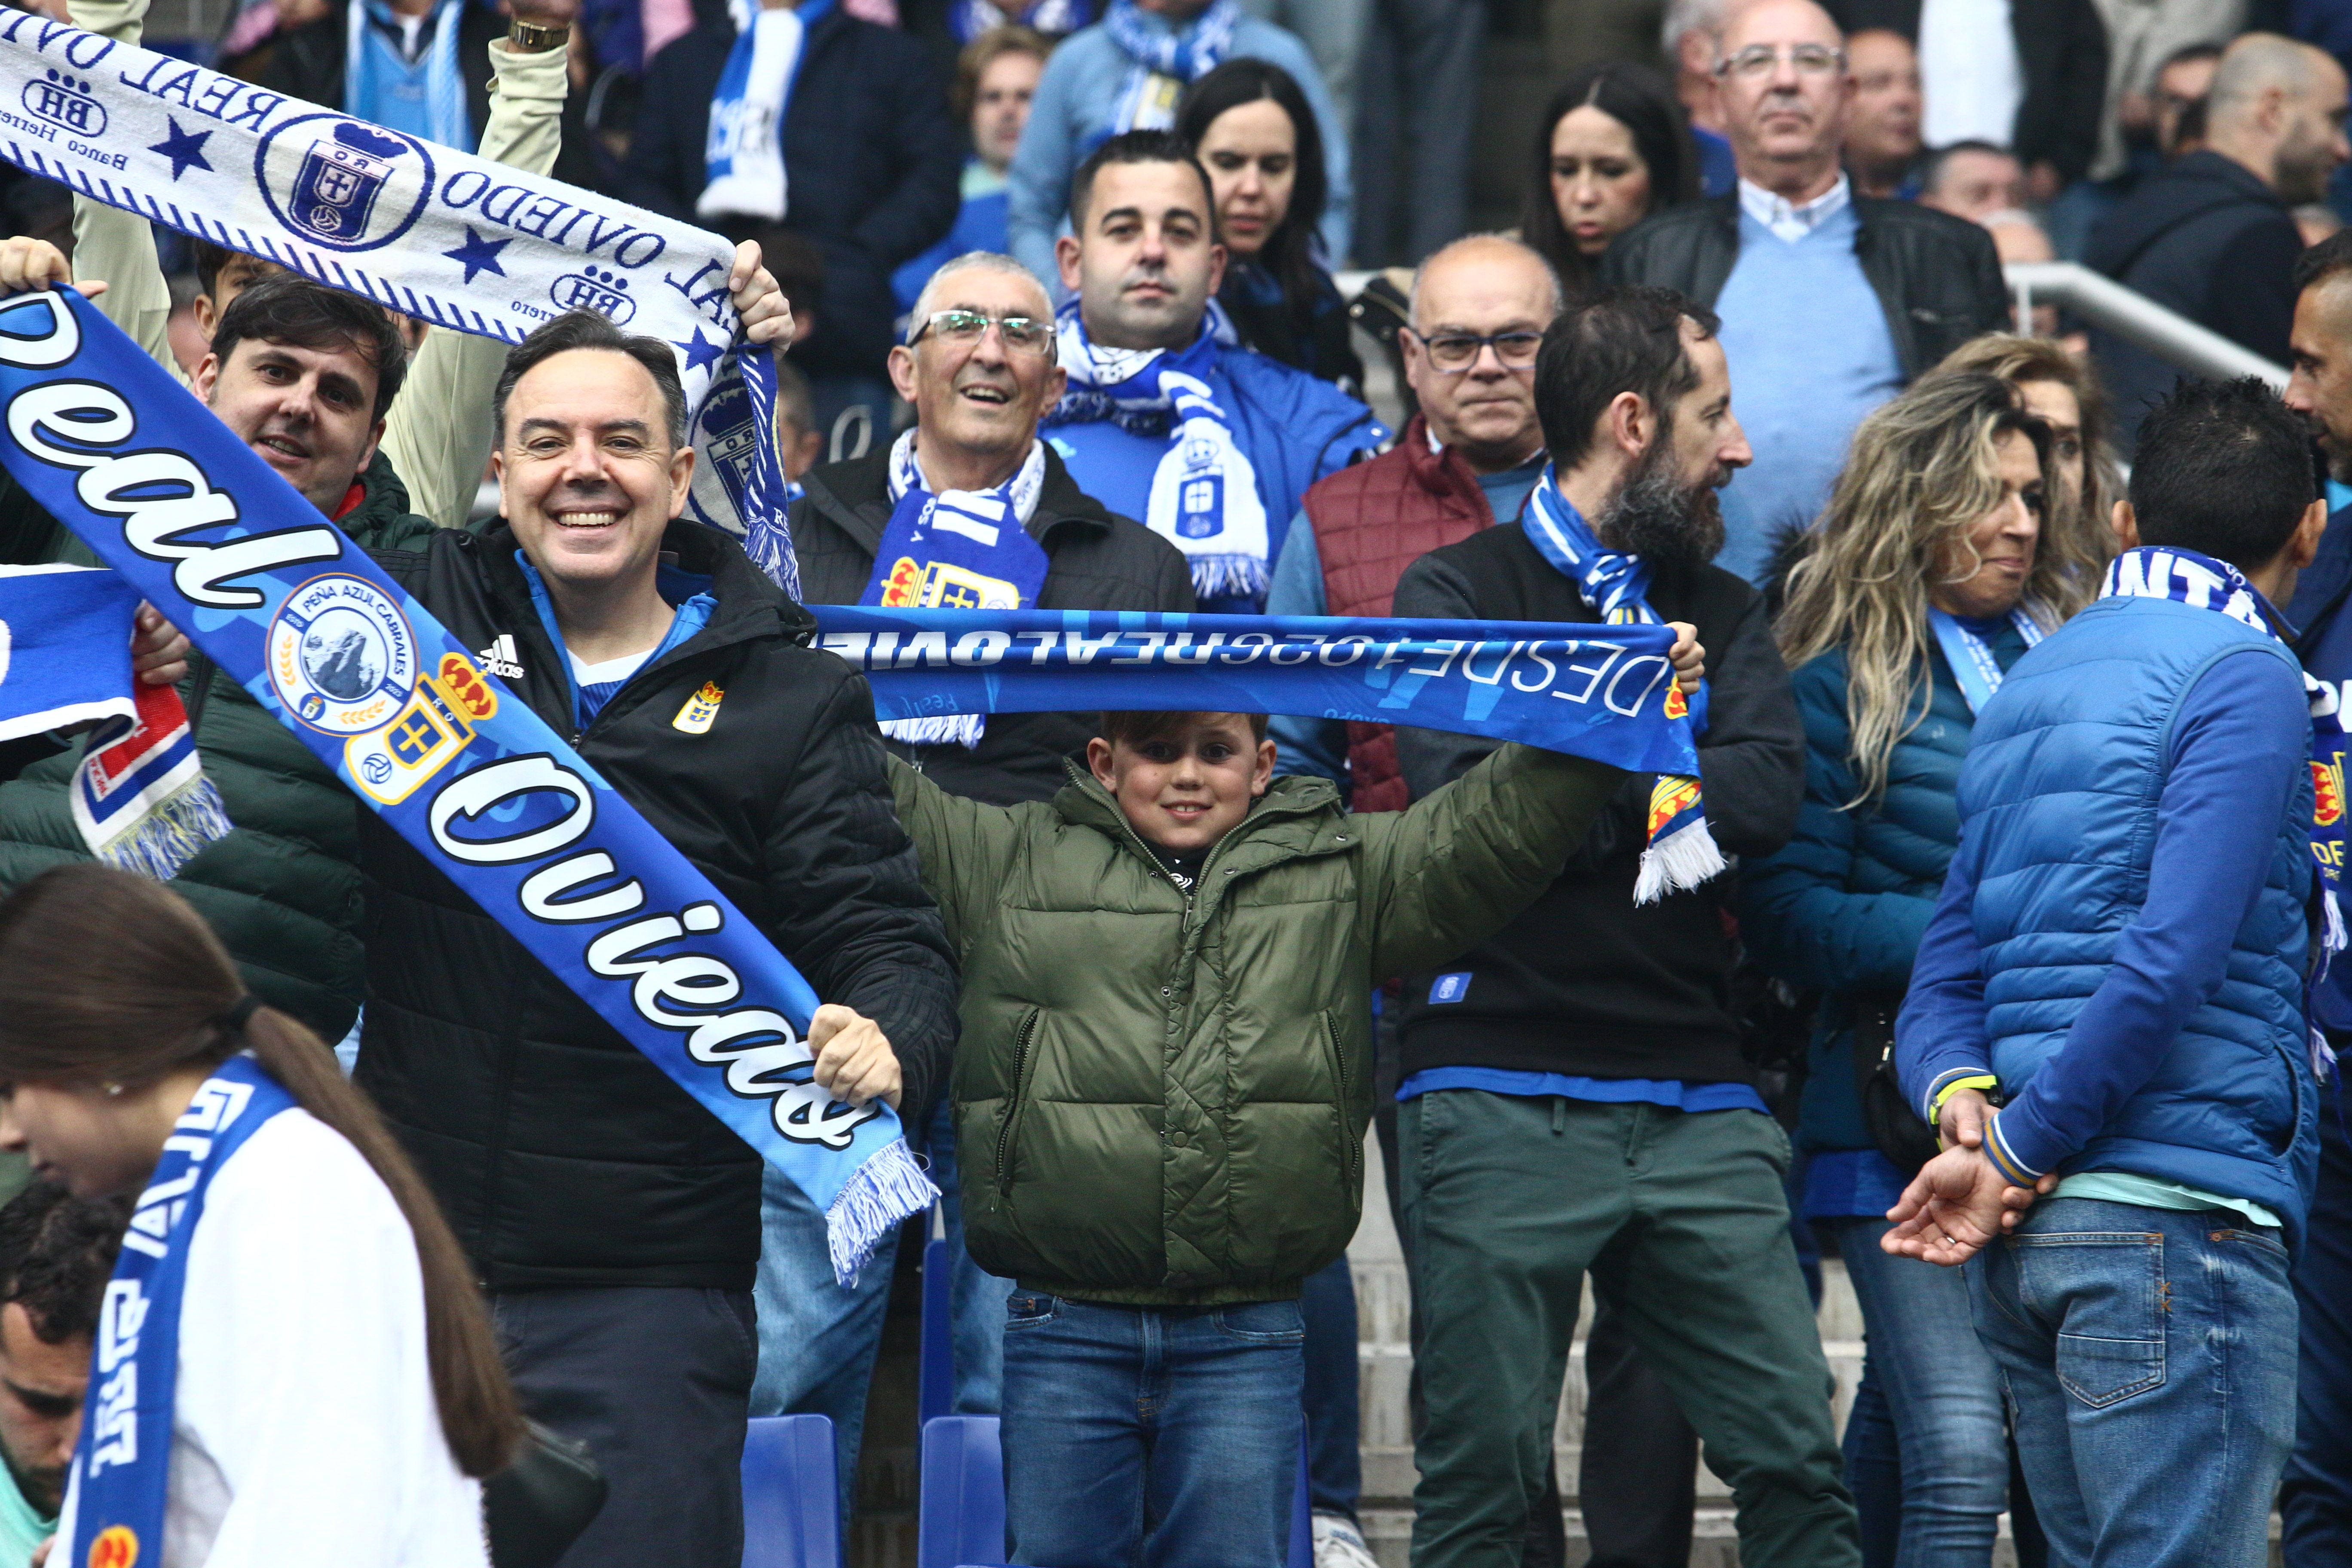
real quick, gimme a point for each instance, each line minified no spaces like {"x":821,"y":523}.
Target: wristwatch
{"x":530,"y":39}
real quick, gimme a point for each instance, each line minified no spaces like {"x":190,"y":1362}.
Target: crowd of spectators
{"x":1750,"y":341}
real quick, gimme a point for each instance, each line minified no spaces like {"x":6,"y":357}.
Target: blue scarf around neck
{"x":1165,"y":61}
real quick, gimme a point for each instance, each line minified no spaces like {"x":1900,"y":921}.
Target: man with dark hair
{"x":2119,"y":961}
{"x":1212,"y":446}
{"x":1830,"y":302}
{"x":57,"y":1253}
{"x":615,"y":1223}
{"x":2212,"y":235}
{"x":2315,"y":1495}
{"x":1973,"y":180}
{"x":1574,"y":1097}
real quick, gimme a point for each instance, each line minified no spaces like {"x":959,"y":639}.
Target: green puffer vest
{"x":282,"y":889}
{"x":1161,"y":1097}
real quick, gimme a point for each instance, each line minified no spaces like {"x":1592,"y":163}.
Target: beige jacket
{"x":437,"y":434}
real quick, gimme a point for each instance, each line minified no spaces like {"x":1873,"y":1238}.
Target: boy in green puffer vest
{"x":1163,"y":1086}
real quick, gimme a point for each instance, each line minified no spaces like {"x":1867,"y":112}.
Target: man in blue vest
{"x":2316,"y":1498}
{"x":1209,"y":444}
{"x":2119,"y":963}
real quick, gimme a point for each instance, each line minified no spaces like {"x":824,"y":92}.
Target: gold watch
{"x":530,"y":39}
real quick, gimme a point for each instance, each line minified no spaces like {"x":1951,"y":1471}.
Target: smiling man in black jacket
{"x":978,"y":394}
{"x":614,"y":1221}
{"x":1574,"y":1096}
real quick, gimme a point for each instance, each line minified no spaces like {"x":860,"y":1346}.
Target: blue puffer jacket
{"x":2059,"y":795}
{"x":1843,"y":907}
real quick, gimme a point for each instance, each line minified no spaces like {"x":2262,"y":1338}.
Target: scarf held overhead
{"x":431,"y":232}
{"x":1682,"y":853}
{"x":1598,"y":692}
{"x":475,"y":780}
{"x":1203,"y":495}
{"x":123,"y":1460}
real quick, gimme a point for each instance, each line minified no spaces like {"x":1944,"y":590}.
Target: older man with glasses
{"x":1830,"y":303}
{"x":980,"y":365}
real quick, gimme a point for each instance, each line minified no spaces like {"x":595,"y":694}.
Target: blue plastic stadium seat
{"x":962,"y":1516}
{"x":790,"y":1495}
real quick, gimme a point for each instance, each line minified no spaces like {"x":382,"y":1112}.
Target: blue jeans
{"x":817,"y":1341}
{"x":1164,"y":1437}
{"x":2315,"y":1498}
{"x":1942,"y":1393}
{"x":2150,"y":1356}
{"x":1335,"y":1465}
{"x":975,"y":1297}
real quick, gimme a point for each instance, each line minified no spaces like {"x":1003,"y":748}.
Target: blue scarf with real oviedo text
{"x":1682,"y":852}
{"x":2189,"y":578}
{"x":1970,"y":657}
{"x":961,"y":550}
{"x":1203,"y":493}
{"x":433,"y":232}
{"x":1605,"y":692}
{"x":743,"y":154}
{"x":122,"y":1462}
{"x":477,"y":783}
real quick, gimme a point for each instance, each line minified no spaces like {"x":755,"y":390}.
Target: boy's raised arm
{"x":964,"y":845}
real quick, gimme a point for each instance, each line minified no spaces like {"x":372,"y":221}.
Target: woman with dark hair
{"x":1613,"y":147}
{"x":294,"y":1364}
{"x":1251,"y":126}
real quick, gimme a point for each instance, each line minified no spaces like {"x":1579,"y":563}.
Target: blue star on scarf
{"x":700,"y":352}
{"x":184,"y":148}
{"x":479,"y":255}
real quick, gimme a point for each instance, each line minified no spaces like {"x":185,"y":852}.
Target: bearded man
{"x":1574,"y":1096}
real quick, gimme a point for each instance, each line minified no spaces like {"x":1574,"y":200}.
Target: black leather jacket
{"x":1938,"y":277}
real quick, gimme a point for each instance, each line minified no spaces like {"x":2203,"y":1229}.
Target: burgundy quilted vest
{"x":1371,"y":521}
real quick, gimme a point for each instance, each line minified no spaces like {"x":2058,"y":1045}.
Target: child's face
{"x":1185,"y":790}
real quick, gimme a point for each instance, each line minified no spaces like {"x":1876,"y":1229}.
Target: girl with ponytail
{"x":294,"y":1364}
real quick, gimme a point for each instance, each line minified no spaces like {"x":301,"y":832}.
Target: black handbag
{"x":538,"y":1506}
{"x":1905,"y":1141}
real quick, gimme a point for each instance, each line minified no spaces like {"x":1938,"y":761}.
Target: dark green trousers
{"x":1507,"y":1201}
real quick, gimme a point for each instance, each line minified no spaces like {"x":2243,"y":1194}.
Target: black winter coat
{"x":1936,"y":277}
{"x":1585,"y":982}
{"x":1096,"y":560}
{"x":2205,"y":236}
{"x":561,"y":1155}
{"x":2062,"y":52}
{"x":871,"y":160}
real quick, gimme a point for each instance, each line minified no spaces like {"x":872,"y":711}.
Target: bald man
{"x":1830,"y":302}
{"x":2212,"y":235}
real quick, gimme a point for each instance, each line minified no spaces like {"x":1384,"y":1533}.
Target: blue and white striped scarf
{"x":370,"y":56}
{"x":1165,"y":62}
{"x":743,"y":156}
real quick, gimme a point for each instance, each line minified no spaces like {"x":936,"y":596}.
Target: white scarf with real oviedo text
{"x":743,"y":156}
{"x":1203,"y":496}
{"x":430,"y":231}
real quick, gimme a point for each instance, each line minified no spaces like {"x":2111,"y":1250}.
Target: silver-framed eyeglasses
{"x":1454,"y":353}
{"x":1023,"y":334}
{"x":1757,"y":60}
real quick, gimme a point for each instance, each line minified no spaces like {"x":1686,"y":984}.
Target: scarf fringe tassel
{"x":888,"y":1190}
{"x":938,"y":730}
{"x":1228,"y":576}
{"x":1677,"y":863}
{"x":172,"y":834}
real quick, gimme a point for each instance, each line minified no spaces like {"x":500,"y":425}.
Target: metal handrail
{"x":2136,"y":319}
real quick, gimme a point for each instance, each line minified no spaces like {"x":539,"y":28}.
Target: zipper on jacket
{"x":1339,"y":1072}
{"x":1013,"y":1100}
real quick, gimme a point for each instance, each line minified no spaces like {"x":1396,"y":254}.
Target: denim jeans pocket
{"x":1262,"y":1322}
{"x":1028,"y":1309}
{"x":2107,"y":1291}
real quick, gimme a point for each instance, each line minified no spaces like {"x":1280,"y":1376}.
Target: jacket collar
{"x":1297,"y":817}
{"x":747,"y":605}
{"x":1442,"y":472}
{"x":855,"y":496}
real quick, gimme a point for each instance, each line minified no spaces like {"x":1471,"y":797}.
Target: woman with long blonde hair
{"x":1927,"y":578}
{"x":2078,"y":537}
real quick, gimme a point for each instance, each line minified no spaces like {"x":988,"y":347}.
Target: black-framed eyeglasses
{"x":1023,"y":334}
{"x":1757,"y":59}
{"x":1454,"y":353}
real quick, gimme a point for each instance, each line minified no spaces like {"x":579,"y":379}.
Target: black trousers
{"x":657,"y":1382}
